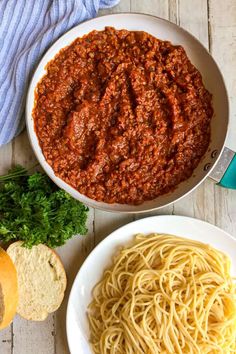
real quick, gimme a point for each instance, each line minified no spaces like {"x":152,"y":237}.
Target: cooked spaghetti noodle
{"x":165,"y":294}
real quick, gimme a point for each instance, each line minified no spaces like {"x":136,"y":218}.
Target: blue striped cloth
{"x":27,"y":29}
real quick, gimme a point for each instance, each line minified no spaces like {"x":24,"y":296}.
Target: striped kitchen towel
{"x":27,"y":29}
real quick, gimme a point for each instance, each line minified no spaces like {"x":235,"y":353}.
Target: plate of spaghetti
{"x":163,"y":284}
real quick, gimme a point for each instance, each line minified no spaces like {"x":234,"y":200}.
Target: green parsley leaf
{"x":33,"y":209}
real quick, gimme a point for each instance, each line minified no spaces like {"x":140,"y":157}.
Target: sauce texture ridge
{"x":122,"y":116}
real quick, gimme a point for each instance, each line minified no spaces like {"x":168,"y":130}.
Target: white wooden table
{"x":214,"y":23}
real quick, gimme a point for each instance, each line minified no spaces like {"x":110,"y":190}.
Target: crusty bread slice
{"x":8,"y":289}
{"x":41,"y":280}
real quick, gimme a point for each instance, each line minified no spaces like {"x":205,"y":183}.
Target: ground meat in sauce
{"x":122,"y":116}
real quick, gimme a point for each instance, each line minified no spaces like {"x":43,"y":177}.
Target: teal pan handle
{"x":229,"y":178}
{"x":224,"y":173}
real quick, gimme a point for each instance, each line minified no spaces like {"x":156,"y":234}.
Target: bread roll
{"x":41,"y":279}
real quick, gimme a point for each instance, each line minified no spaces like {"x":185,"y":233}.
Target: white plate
{"x":198,"y":55}
{"x":100,"y":258}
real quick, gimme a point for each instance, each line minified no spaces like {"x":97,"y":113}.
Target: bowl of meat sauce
{"x":124,"y":118}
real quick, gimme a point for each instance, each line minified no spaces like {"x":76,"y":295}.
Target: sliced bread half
{"x":41,"y":280}
{"x":8,"y":289}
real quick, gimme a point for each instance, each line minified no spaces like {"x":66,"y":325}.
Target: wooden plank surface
{"x":208,"y":202}
{"x":222,"y":28}
{"x":222,"y":35}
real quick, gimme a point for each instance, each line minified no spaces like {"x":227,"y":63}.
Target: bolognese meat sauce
{"x":122,"y":116}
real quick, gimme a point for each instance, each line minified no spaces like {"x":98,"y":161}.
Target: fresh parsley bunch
{"x":33,"y":209}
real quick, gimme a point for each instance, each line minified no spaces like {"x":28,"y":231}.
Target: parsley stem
{"x":21,"y":172}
